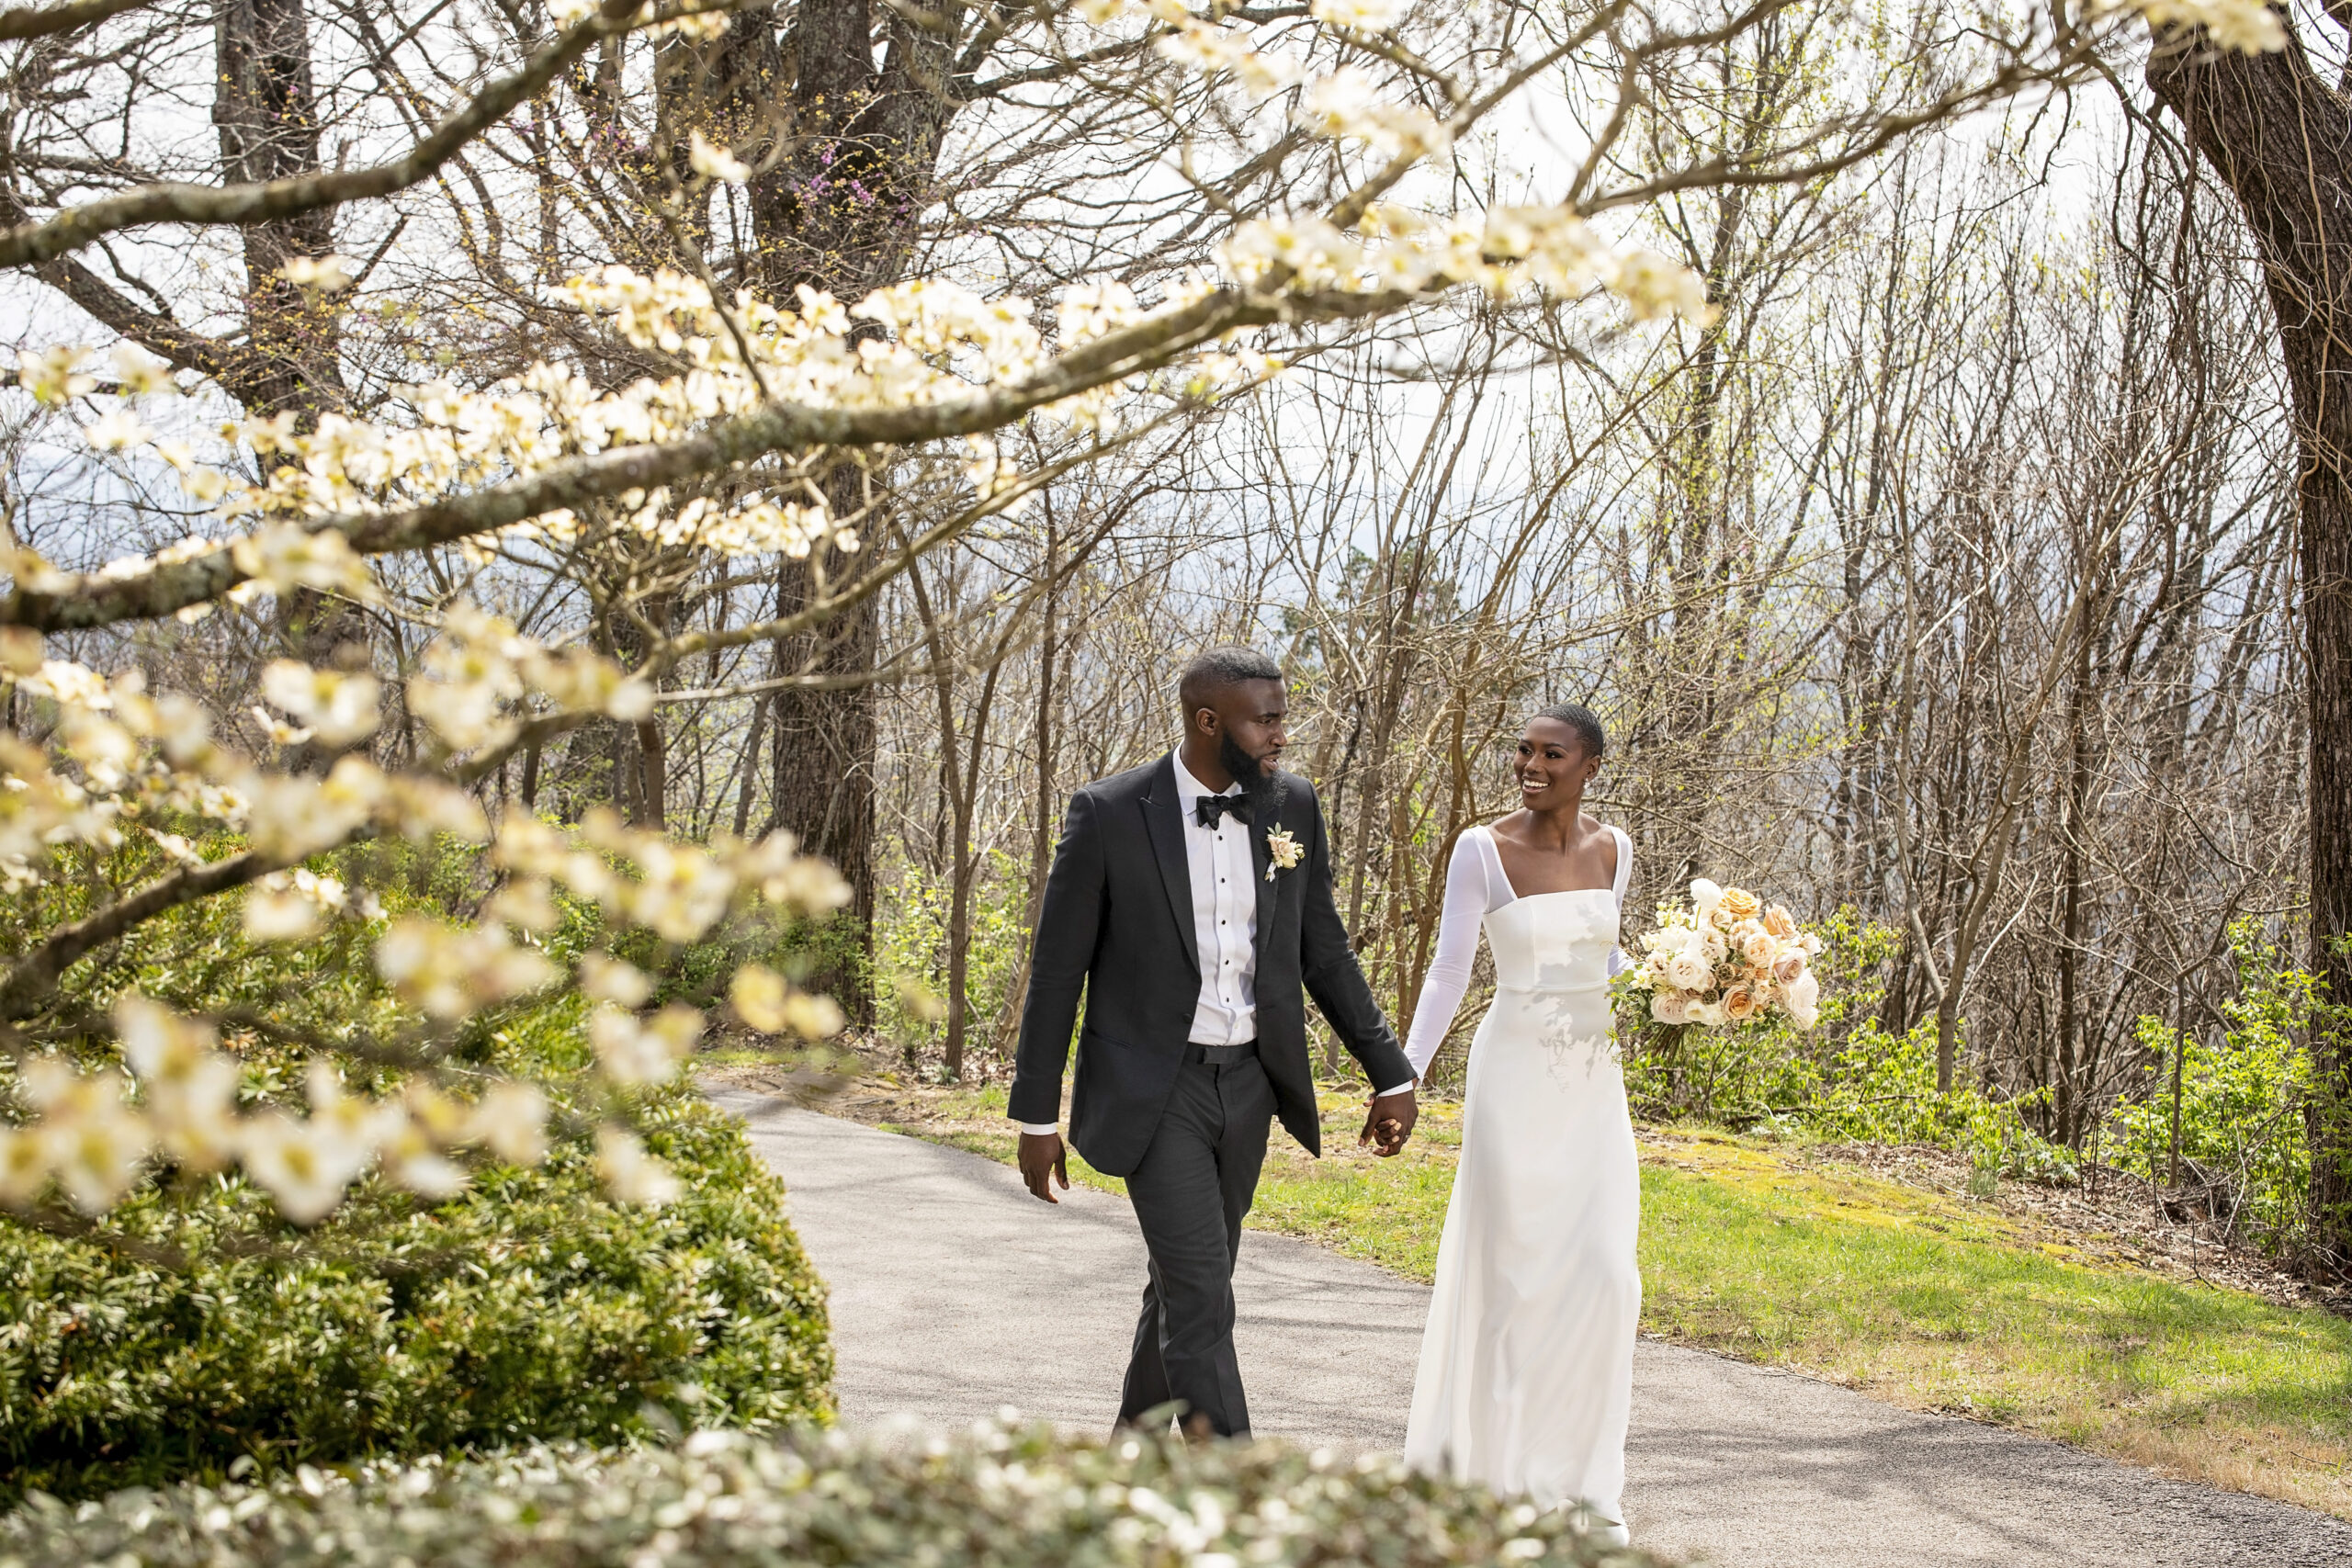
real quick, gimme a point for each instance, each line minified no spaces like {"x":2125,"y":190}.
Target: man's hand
{"x":1043,"y":1162}
{"x":1385,"y":1126}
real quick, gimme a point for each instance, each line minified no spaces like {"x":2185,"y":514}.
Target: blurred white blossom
{"x":630,"y":1174}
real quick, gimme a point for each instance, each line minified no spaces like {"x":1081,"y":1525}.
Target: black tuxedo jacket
{"x":1117,"y":924}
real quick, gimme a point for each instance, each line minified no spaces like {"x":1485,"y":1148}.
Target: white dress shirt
{"x":1225,"y":922}
{"x":1224,"y":916}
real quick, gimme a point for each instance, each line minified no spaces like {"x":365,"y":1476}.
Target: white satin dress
{"x":1527,"y":1365}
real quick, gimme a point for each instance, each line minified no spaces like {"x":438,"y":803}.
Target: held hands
{"x":1043,"y":1162}
{"x":1385,"y":1126}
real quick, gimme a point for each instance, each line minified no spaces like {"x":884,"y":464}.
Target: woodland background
{"x":1921,"y":432}
{"x":1949,"y":576}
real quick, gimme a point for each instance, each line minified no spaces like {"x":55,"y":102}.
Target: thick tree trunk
{"x":824,"y":751}
{"x":266,"y":112}
{"x":2281,"y":138}
{"x":839,"y":213}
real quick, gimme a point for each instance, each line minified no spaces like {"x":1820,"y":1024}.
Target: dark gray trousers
{"x":1190,"y":1193}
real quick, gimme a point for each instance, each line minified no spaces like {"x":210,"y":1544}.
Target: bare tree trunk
{"x":1045,"y":807}
{"x":266,"y":112}
{"x":824,"y":778}
{"x":2280,"y":139}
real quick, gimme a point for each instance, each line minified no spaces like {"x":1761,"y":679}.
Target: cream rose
{"x":1687,"y":970}
{"x":1670,"y":1006}
{"x":1709,"y":1015}
{"x":1805,"y":1001}
{"x":1788,"y":965}
{"x":1759,"y":948}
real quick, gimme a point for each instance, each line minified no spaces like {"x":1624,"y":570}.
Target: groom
{"x":1191,"y":899}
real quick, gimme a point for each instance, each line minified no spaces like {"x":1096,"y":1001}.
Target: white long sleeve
{"x":1469,"y":897}
{"x":1475,"y":886}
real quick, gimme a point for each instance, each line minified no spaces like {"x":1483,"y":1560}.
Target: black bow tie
{"x":1212,"y":807}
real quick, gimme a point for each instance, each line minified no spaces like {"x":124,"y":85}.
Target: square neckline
{"x":1494,"y":859}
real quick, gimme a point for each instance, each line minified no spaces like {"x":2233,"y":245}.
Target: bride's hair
{"x":1580,"y":719}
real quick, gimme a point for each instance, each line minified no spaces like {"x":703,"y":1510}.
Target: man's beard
{"x":1256,"y":779}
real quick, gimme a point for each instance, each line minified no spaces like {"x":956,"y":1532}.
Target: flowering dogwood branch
{"x":261,"y":200}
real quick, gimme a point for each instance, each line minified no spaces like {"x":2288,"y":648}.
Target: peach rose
{"x":1742,"y":905}
{"x":1759,"y":948}
{"x":1780,"y":923}
{"x":1741,"y":1003}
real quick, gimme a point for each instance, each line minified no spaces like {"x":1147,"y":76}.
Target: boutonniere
{"x":1283,"y":852}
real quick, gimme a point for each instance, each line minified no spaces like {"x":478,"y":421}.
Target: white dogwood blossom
{"x":630,"y":1174}
{"x":715,"y":163}
{"x":1348,"y":106}
{"x":2244,"y":26}
{"x":1360,"y":15}
{"x":323,"y":275}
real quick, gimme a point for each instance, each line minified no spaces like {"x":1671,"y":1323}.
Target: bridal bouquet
{"x":1727,"y":958}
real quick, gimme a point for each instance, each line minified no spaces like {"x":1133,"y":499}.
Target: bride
{"x":1526,"y":1372}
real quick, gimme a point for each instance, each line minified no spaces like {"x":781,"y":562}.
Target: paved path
{"x":955,"y":1293}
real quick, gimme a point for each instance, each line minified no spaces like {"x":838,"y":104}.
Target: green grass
{"x":1925,"y":1300}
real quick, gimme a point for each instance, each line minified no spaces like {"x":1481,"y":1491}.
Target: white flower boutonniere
{"x":1283,"y":850}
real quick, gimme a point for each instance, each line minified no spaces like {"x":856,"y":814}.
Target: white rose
{"x":1670,"y":1006}
{"x":1705,"y":895}
{"x":1687,"y":970}
{"x":1709,"y":1015}
{"x":1803,"y":1002}
{"x":1712,"y":948}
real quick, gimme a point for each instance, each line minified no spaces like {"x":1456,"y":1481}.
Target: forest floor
{"x":2073,"y":1316}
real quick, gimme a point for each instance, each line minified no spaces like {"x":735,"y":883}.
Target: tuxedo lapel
{"x":1163,"y":817}
{"x":1262,"y":858}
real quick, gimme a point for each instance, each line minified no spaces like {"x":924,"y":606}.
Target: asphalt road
{"x":956,"y":1295}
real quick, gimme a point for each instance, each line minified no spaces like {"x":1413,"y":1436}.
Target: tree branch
{"x":260,"y":201}
{"x":42,"y":21}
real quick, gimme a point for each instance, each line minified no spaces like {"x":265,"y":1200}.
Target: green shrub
{"x":2242,"y":1099}
{"x":1847,"y":1078}
{"x":196,"y":1328}
{"x":911,"y":949}
{"x":1001,"y":1496}
{"x":528,"y":1307}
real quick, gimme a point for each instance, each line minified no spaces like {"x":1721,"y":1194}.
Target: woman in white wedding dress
{"x":1526,"y":1371}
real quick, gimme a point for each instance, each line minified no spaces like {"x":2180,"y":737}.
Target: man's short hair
{"x":1218,"y":668}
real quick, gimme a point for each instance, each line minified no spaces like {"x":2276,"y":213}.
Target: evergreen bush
{"x":531,"y":1306}
{"x":1000,"y":1497}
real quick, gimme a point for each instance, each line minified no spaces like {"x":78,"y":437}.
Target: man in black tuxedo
{"x":1191,"y":900}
